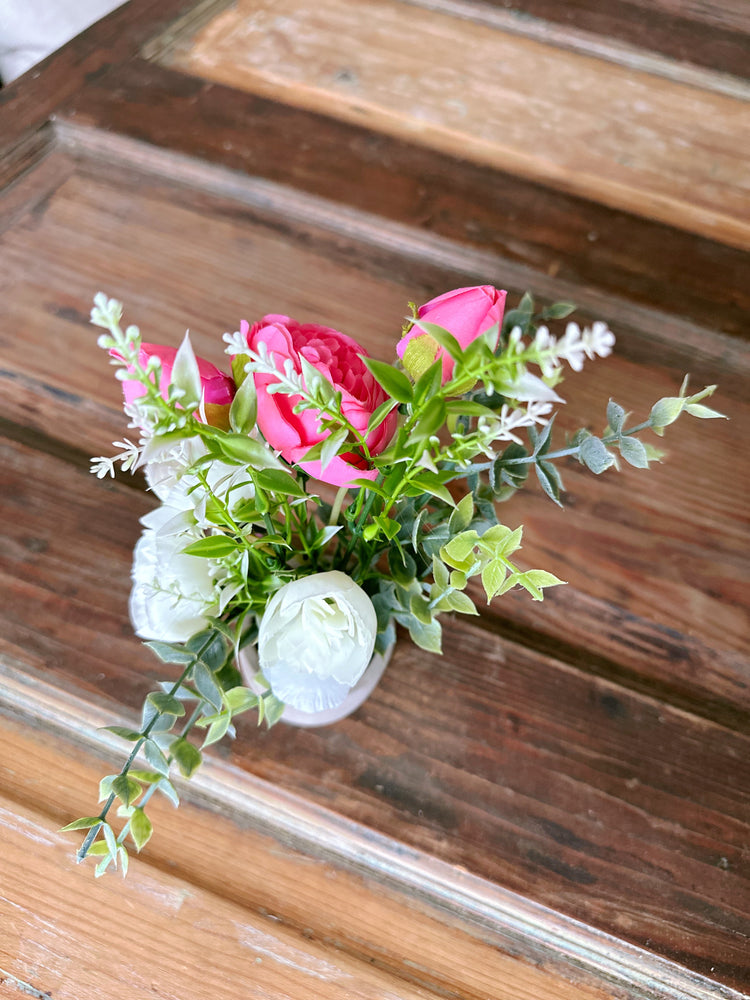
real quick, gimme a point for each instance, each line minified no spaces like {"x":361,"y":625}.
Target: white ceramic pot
{"x":248,"y":663}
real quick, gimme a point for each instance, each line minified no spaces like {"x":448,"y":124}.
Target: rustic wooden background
{"x":560,"y":803}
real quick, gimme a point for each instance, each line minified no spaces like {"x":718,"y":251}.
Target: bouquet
{"x":316,"y":498}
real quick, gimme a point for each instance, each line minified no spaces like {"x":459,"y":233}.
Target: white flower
{"x":167,"y":461}
{"x":173,"y":594}
{"x":316,"y":639}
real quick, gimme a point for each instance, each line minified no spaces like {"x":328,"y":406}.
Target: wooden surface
{"x":632,"y":141}
{"x":580,"y":768}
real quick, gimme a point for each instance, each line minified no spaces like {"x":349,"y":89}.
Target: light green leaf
{"x":140,"y":828}
{"x":462,"y":603}
{"x":218,"y":728}
{"x":493,"y":577}
{"x":332,"y":445}
{"x":212,"y":547}
{"x":595,"y":456}
{"x":155,"y":757}
{"x":186,"y":375}
{"x":634,"y":452}
{"x":166,"y":704}
{"x":665,"y":412}
{"x":428,"y":637}
{"x":126,"y":789}
{"x":240,"y":699}
{"x":459,"y":549}
{"x":395,"y":383}
{"x":187,"y":756}
{"x":243,"y":412}
{"x":462,"y":515}
{"x":704,"y":412}
{"x":85,"y":823}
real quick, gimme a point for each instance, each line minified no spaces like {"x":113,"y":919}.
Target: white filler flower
{"x":316,"y":639}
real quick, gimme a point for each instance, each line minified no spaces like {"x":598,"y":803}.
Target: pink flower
{"x":464,"y":312}
{"x":338,"y":358}
{"x":218,"y":388}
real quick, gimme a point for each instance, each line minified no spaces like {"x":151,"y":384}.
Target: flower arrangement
{"x":316,"y":498}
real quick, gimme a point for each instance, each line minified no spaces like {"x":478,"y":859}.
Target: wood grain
{"x":632,"y":141}
{"x":509,"y":763}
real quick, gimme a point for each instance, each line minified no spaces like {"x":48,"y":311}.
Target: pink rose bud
{"x":338,"y":359}
{"x":218,"y":388}
{"x":464,"y":312}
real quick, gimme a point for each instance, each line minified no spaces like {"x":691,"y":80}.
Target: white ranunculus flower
{"x":316,"y":638}
{"x":173,"y":594}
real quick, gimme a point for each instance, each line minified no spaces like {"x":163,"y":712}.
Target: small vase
{"x":248,"y":663}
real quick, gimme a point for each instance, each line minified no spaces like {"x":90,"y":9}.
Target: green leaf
{"x":534,"y":579}
{"x":388,"y":526}
{"x":461,"y":603}
{"x":126,"y":734}
{"x":98,"y":849}
{"x":558,"y":310}
{"x":430,"y":482}
{"x":110,"y":840}
{"x":150,"y":777}
{"x":420,"y":608}
{"x":166,"y":704}
{"x":206,"y":685}
{"x":240,"y":699}
{"x":493,"y":577}
{"x":212,"y":547}
{"x":634,"y":452}
{"x":140,"y":828}
{"x":105,"y":786}
{"x":243,"y":412}
{"x":395,"y":383}
{"x":444,"y":337}
{"x":332,"y":445}
{"x":545,"y":473}
{"x":459,"y":549}
{"x":379,"y":415}
{"x":85,"y":823}
{"x":249,"y":451}
{"x":217,"y":730}
{"x":615,"y":416}
{"x":273,"y":709}
{"x":428,"y":637}
{"x":155,"y":757}
{"x":665,"y":412}
{"x":595,"y":456}
{"x":126,"y":788}
{"x":429,"y":382}
{"x":167,"y":789}
{"x":239,"y":361}
{"x":187,"y":756}
{"x":704,"y":412}
{"x":440,"y":573}
{"x":430,"y":420}
{"x":168,"y":652}
{"x":124,"y":860}
{"x":186,"y":375}
{"x":278,"y":481}
{"x":462,"y":515}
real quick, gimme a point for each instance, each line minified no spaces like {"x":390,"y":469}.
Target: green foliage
{"x":422,"y":536}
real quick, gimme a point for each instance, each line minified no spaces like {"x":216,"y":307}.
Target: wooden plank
{"x":572,"y":239}
{"x":606,"y":804}
{"x":338,"y":884}
{"x":667,"y":572}
{"x":632,"y":141}
{"x":714,"y":34}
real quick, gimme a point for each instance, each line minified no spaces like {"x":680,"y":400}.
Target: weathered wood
{"x":335,"y":882}
{"x":714,"y":34}
{"x":504,"y":761}
{"x":553,"y":233}
{"x":632,"y":141}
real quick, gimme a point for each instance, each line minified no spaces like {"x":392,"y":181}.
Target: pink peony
{"x":218,"y":388}
{"x":338,"y":358}
{"x":464,"y":312}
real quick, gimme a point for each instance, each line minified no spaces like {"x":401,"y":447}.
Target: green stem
{"x":91,"y":835}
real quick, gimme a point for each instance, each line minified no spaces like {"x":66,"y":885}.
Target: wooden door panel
{"x":589,"y":756}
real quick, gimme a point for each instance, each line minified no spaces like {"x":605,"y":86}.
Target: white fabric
{"x":31,"y":29}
